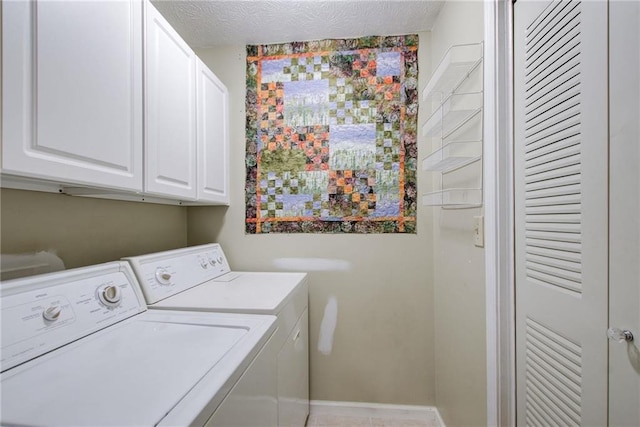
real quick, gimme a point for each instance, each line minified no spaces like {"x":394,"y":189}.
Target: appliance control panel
{"x":41,"y":313}
{"x":164,"y":274}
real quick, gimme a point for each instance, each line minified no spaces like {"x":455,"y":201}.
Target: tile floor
{"x":326,"y":420}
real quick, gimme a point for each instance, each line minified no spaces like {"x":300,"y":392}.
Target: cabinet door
{"x":170,"y":72}
{"x":213,"y":137}
{"x":72,"y":81}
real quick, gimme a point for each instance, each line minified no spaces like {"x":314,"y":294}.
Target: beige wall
{"x":86,"y":231}
{"x":460,"y":361}
{"x":383,"y":343}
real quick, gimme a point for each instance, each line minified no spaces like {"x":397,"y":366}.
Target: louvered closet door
{"x":561,"y":212}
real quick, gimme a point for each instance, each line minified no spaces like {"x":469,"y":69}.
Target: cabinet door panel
{"x":213,"y":142}
{"x":73,"y":92}
{"x":171,"y":108}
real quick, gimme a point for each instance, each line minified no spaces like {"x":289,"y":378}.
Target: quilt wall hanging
{"x":331,"y":135}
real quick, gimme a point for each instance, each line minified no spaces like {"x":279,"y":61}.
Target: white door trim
{"x":498,"y":202}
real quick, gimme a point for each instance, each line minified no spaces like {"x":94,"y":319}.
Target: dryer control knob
{"x":163,"y":276}
{"x":110,"y":295}
{"x":52,"y":313}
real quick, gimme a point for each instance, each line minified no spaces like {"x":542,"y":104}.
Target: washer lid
{"x":240,"y":292}
{"x":133,"y":373}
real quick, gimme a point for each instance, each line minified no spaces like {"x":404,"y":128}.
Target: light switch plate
{"x":478,"y":231}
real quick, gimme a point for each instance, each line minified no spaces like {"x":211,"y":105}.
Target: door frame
{"x":499,"y":216}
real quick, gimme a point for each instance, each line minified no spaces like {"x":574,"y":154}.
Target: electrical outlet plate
{"x":478,"y":231}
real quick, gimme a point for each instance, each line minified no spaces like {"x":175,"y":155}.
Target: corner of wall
{"x":459,"y":284}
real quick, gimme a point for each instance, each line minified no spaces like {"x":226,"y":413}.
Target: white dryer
{"x":80,"y":348}
{"x":199,"y":278}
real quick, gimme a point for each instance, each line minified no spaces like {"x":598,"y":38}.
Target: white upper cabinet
{"x":74,"y":110}
{"x":170,"y":85}
{"x":72,"y":101}
{"x":213,"y":137}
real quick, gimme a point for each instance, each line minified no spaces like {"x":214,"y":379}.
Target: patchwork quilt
{"x":331,"y":136}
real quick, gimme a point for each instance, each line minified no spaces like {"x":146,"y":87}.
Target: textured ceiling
{"x":205,"y":23}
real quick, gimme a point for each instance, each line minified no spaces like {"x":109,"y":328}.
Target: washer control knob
{"x":110,"y":295}
{"x":212,"y":262}
{"x":52,"y":313}
{"x":204,"y":264}
{"x":220,"y":259}
{"x":163,"y":276}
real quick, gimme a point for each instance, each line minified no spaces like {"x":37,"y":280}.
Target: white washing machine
{"x":80,"y":348}
{"x":199,"y":278}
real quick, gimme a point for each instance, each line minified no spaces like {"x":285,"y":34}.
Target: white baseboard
{"x":383,"y":410}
